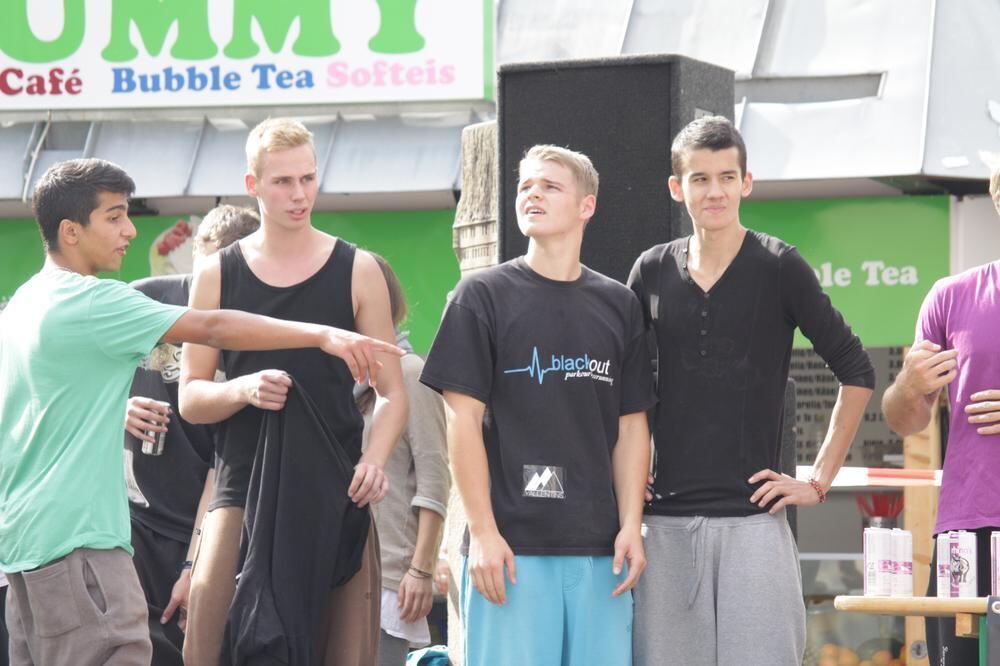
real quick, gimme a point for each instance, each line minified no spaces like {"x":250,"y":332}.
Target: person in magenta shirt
{"x":957,"y":346}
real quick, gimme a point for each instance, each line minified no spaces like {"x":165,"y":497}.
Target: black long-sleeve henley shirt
{"x":723,"y":364}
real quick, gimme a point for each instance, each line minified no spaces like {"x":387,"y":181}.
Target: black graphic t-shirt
{"x":557,"y":364}
{"x":164,"y":490}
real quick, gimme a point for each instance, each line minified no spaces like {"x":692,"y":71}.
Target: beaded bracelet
{"x":818,"y":488}
{"x":419,"y":573}
{"x":187,"y":564}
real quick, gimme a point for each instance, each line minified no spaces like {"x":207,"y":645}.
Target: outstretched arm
{"x":203,"y":328}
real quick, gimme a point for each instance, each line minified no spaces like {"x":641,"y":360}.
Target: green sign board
{"x":875,"y":257}
{"x":416,"y":243}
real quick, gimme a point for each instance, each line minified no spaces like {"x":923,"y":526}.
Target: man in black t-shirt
{"x":544,"y":368}
{"x":723,"y":585}
{"x":168,"y":492}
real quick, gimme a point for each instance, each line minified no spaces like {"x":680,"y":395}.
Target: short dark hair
{"x":711,"y":132}
{"x":68,"y":191}
{"x":224,"y":225}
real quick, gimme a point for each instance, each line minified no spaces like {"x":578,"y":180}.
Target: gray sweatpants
{"x":85,"y":609}
{"x":719,"y":591}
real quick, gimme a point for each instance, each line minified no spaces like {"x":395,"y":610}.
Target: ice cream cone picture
{"x":170,"y":252}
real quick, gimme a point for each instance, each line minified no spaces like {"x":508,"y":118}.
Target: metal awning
{"x":15,"y":147}
{"x":836,"y":97}
{"x":414,"y":153}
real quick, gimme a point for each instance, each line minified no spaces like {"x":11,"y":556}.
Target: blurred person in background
{"x":168,"y":491}
{"x":410,"y":518}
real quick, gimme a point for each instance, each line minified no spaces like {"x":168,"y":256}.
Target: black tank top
{"x":322,"y":298}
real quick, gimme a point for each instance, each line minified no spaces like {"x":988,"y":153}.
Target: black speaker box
{"x":623,"y":113}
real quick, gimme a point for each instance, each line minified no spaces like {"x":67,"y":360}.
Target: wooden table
{"x":970,"y":614}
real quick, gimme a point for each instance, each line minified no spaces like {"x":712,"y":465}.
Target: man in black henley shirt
{"x":723,"y":306}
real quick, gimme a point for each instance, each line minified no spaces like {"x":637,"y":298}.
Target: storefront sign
{"x":74,"y":54}
{"x":876,"y":257}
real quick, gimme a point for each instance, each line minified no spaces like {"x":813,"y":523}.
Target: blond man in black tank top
{"x":285,"y":253}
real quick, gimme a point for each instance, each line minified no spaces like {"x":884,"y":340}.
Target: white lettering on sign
{"x":877,"y":274}
{"x":830,"y":277}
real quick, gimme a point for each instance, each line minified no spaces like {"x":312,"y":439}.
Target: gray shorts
{"x":724,"y":591}
{"x":85,"y":608}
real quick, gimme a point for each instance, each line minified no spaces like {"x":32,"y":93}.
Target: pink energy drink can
{"x":879,"y":563}
{"x":943,"y":571}
{"x":956,"y":564}
{"x":902,"y":554}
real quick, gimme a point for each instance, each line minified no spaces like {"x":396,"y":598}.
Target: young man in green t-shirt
{"x":69,"y":343}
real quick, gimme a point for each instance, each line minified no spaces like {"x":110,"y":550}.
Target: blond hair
{"x":578,"y":164}
{"x":275,"y":134}
{"x":224,"y":225}
{"x":995,"y":183}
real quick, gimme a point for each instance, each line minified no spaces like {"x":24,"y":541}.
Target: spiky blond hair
{"x":275,"y":134}
{"x":578,"y":164}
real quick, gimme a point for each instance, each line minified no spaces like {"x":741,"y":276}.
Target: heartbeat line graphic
{"x":534,"y":368}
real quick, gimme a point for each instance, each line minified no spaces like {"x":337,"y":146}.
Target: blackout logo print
{"x":571,"y":367}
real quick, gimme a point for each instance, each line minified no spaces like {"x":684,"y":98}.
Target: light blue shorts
{"x":560,"y":613}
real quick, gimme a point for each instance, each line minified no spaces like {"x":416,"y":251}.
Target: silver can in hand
{"x":155,"y":448}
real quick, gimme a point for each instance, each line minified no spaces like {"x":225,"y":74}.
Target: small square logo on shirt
{"x":544,"y":481}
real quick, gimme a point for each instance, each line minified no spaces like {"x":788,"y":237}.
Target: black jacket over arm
{"x":302,"y":535}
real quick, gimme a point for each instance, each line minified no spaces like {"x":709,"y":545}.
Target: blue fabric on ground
{"x":435,"y":655}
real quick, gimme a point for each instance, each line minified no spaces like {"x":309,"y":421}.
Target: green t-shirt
{"x":69,"y":345}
